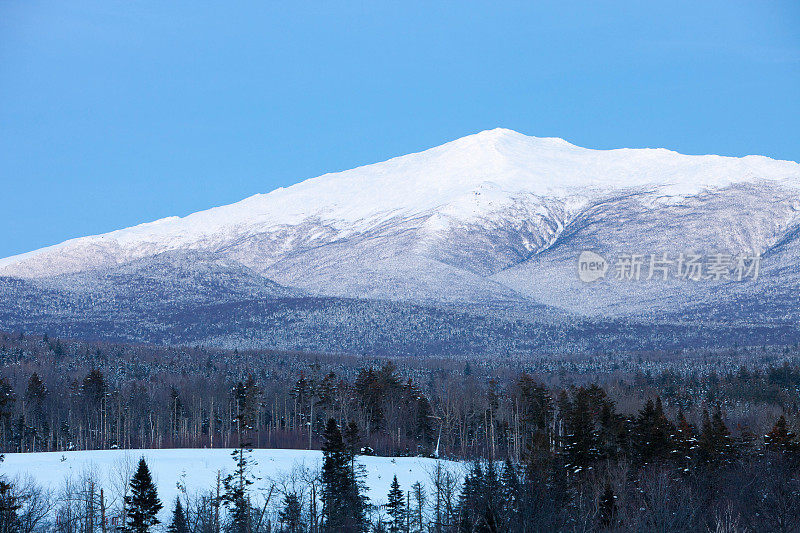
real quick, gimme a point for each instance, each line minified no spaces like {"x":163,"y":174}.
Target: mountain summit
{"x":491,"y":225}
{"x":529,"y":182}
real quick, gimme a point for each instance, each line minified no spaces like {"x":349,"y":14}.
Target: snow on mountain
{"x":491,"y":221}
{"x":495,"y":177}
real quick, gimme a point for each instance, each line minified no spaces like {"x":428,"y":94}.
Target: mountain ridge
{"x":463,"y":179}
{"x":466,"y":247}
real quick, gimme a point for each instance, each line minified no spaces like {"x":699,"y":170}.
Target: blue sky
{"x":116,"y":113}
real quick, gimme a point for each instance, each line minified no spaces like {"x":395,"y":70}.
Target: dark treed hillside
{"x":60,"y":394}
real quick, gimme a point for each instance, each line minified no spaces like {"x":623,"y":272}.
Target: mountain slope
{"x":493,"y":175}
{"x":492,"y":221}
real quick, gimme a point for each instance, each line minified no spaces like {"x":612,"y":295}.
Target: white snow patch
{"x":197,"y":469}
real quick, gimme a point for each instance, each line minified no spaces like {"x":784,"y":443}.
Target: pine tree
{"x":510,"y":496}
{"x":291,"y":516}
{"x":652,"y":433}
{"x":9,"y":505}
{"x":36,"y":391}
{"x":418,"y":514}
{"x":780,"y":438}
{"x":396,"y":507}
{"x":715,"y":438}
{"x":236,"y":497}
{"x":142,"y":505}
{"x":684,"y":443}
{"x":246,"y":396}
{"x":608,"y":508}
{"x":343,"y":504}
{"x":94,"y":387}
{"x":178,"y":523}
{"x":476,"y":509}
{"x":352,"y":438}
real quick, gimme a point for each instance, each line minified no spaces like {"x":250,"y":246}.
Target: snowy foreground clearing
{"x":197,"y":470}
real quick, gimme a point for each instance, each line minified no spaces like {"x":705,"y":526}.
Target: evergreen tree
{"x":142,"y":505}
{"x":343,"y":504}
{"x":396,"y":507}
{"x":469,"y":502}
{"x":246,"y":396}
{"x":94,"y":388}
{"x":418,"y":512}
{"x":35,"y":392}
{"x":291,"y":516}
{"x":352,"y":438}
{"x":7,"y":400}
{"x":535,"y":411}
{"x":379,"y":526}
{"x":608,"y":508}
{"x":9,"y":505}
{"x":236,"y":497}
{"x":493,"y":489}
{"x":593,"y":428}
{"x":652,"y":433}
{"x":478,"y":500}
{"x":178,"y":523}
{"x":715,"y":438}
{"x":685,"y":442}
{"x":35,"y":396}
{"x":780,"y":438}
{"x":424,"y":422}
{"x":510,"y":496}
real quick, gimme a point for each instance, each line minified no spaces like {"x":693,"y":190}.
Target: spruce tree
{"x":94,"y":388}
{"x":291,"y":516}
{"x":510,"y":496}
{"x":343,"y":504}
{"x":472,"y":500}
{"x":493,"y":489}
{"x":396,"y":507}
{"x":684,"y":443}
{"x":592,"y":427}
{"x":246,"y":396}
{"x":608,"y":508}
{"x":780,"y":438}
{"x":352,"y":438}
{"x":142,"y":505}
{"x":236,"y":497}
{"x":715,"y":439}
{"x":178,"y":523}
{"x":36,"y":391}
{"x":9,"y":505}
{"x":424,"y":425}
{"x":652,"y":433}
{"x":418,"y":515}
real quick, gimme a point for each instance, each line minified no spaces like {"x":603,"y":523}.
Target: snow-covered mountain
{"x":492,"y":219}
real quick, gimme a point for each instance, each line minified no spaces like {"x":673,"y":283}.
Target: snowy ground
{"x":197,"y":469}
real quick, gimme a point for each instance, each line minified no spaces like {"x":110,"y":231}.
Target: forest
{"x":661,"y":441}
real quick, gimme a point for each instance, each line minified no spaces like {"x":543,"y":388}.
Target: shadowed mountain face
{"x":483,"y":230}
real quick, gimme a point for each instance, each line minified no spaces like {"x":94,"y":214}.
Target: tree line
{"x":644,"y":442}
{"x":671,"y":477}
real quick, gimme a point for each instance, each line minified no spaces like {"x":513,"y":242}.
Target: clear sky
{"x":117,"y":113}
